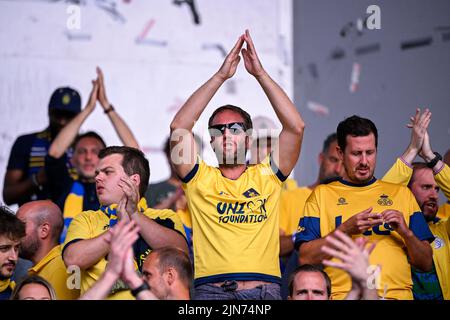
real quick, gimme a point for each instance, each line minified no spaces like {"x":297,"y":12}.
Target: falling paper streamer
{"x":354,"y":81}
{"x":142,"y":38}
{"x":318,"y":108}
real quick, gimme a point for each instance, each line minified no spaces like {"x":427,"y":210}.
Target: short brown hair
{"x":33,"y":279}
{"x":176,"y":258}
{"x":133,"y":162}
{"x":309,"y":268}
{"x":11,"y":226}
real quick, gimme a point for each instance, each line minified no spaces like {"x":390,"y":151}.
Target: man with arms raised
{"x":234,"y":207}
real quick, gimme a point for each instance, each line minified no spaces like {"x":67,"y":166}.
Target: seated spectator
{"x":44,"y":223}
{"x":33,"y":288}
{"x":167,"y":271}
{"x":25,"y":178}
{"x":76,"y":193}
{"x":12,"y":230}
{"x":122,"y":176}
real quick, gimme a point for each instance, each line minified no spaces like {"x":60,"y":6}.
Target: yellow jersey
{"x":292,"y":204}
{"x":441,"y":253}
{"x":235,"y":223}
{"x":91,"y":224}
{"x":332,"y":204}
{"x":53,"y":269}
{"x":442,"y":178}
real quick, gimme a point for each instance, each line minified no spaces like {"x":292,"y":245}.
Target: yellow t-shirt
{"x":332,"y":204}
{"x":292,"y":204}
{"x":401,"y":173}
{"x":441,"y":253}
{"x":235,"y":223}
{"x":444,"y":211}
{"x":53,"y":269}
{"x":90,"y":224}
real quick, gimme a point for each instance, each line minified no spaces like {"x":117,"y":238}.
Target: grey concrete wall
{"x":392,"y":82}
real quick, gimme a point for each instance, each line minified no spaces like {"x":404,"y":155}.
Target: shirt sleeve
{"x":167,"y":218}
{"x":309,"y":224}
{"x":443,"y":180}
{"x":78,"y":230}
{"x":399,"y":173}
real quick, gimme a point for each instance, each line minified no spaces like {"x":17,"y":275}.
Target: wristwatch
{"x":111,"y":108}
{"x":144,"y":286}
{"x":434,"y":161}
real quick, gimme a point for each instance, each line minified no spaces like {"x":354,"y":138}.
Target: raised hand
{"x":361,"y":222}
{"x":229,"y":66}
{"x":101,"y":90}
{"x":93,"y":96}
{"x":251,"y":60}
{"x":122,"y":213}
{"x":419,"y":125}
{"x":396,"y":221}
{"x":131,"y":192}
{"x":123,"y":235}
{"x":354,"y":255}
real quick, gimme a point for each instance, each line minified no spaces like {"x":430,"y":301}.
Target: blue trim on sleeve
{"x":191,"y":174}
{"x":68,"y":244}
{"x":244,"y":276}
{"x":309,"y":229}
{"x":277,"y":171}
{"x":419,"y":227}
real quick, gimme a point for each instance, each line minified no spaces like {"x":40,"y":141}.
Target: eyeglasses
{"x":235,"y":128}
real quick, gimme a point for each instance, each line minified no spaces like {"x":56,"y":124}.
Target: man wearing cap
{"x":25,"y":178}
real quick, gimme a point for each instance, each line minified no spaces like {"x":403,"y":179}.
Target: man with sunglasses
{"x":234,"y":207}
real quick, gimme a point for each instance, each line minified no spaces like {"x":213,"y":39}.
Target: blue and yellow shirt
{"x":332,"y":204}
{"x":90,"y":224}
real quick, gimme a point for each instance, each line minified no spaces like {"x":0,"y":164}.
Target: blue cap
{"x":66,"y":99}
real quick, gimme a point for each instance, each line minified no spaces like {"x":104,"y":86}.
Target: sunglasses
{"x":235,"y":128}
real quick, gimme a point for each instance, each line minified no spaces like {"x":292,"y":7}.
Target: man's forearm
{"x":284,"y":108}
{"x":86,"y":253}
{"x":123,"y":131}
{"x":157,"y":236}
{"x":311,"y":252}
{"x":286,"y":245}
{"x":13,"y":193}
{"x":197,"y":102}
{"x":420,"y":253}
{"x":67,"y":134}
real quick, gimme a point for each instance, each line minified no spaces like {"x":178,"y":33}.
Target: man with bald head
{"x":44,"y":223}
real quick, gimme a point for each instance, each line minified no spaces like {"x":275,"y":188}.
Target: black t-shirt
{"x":28,"y":154}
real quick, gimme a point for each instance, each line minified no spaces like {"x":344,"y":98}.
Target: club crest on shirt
{"x":341,"y":201}
{"x":384,"y":200}
{"x":438,"y":242}
{"x":250,"y":193}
